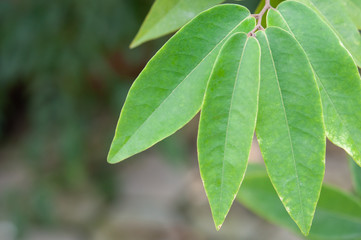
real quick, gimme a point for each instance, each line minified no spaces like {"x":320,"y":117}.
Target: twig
{"x":259,"y":17}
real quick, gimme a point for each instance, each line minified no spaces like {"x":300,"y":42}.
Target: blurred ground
{"x":155,"y":197}
{"x":65,"y":69}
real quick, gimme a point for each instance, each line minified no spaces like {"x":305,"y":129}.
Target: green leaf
{"x":338,"y":78}
{"x":167,"y":16}
{"x":353,"y":7}
{"x":290,"y":125}
{"x":227,"y":122}
{"x":170,"y":90}
{"x":339,"y":21}
{"x":338,"y":215}
{"x":356,"y":176}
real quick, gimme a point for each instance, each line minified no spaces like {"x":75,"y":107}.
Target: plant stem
{"x":259,"y":17}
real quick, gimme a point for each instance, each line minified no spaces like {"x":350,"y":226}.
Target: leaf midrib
{"x":289,"y":133}
{"x":339,"y":36}
{"x":202,"y":60}
{"x":229,"y":114}
{"x":327,"y":94}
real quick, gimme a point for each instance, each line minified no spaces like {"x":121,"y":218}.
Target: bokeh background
{"x":65,"y":69}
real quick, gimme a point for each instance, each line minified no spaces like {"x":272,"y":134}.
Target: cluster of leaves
{"x":294,"y":83}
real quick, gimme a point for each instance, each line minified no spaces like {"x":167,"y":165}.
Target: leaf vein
{"x":327,"y":94}
{"x":227,"y":127}
{"x":288,"y":130}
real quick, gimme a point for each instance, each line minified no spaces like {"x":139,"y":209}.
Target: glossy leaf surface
{"x":290,"y":126}
{"x":337,"y":75}
{"x":338,"y":215}
{"x":167,"y":16}
{"x":353,"y":7}
{"x":170,"y":90}
{"x":228,"y":121}
{"x":339,"y":21}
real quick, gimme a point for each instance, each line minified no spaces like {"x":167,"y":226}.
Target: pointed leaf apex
{"x":133,"y":45}
{"x":219,"y":227}
{"x":219,"y":216}
{"x":111,"y":161}
{"x":305,"y":229}
{"x":139,"y":40}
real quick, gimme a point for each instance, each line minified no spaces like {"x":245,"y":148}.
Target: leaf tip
{"x":218,"y":227}
{"x":139,"y":39}
{"x":134,"y":44}
{"x":111,"y":160}
{"x":304,"y":225}
{"x":218,"y":220}
{"x":305,"y":229}
{"x":117,"y":155}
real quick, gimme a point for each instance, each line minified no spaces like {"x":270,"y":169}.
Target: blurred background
{"x":65,"y":69}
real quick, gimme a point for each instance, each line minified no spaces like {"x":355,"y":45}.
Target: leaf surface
{"x":167,"y":16}
{"x":228,"y":121}
{"x":290,"y":125}
{"x":332,"y":12}
{"x":337,"y":75}
{"x":338,"y":215}
{"x":353,"y":7}
{"x":170,"y":90}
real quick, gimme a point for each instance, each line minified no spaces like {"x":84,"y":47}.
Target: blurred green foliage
{"x":63,"y":55}
{"x":65,"y":69}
